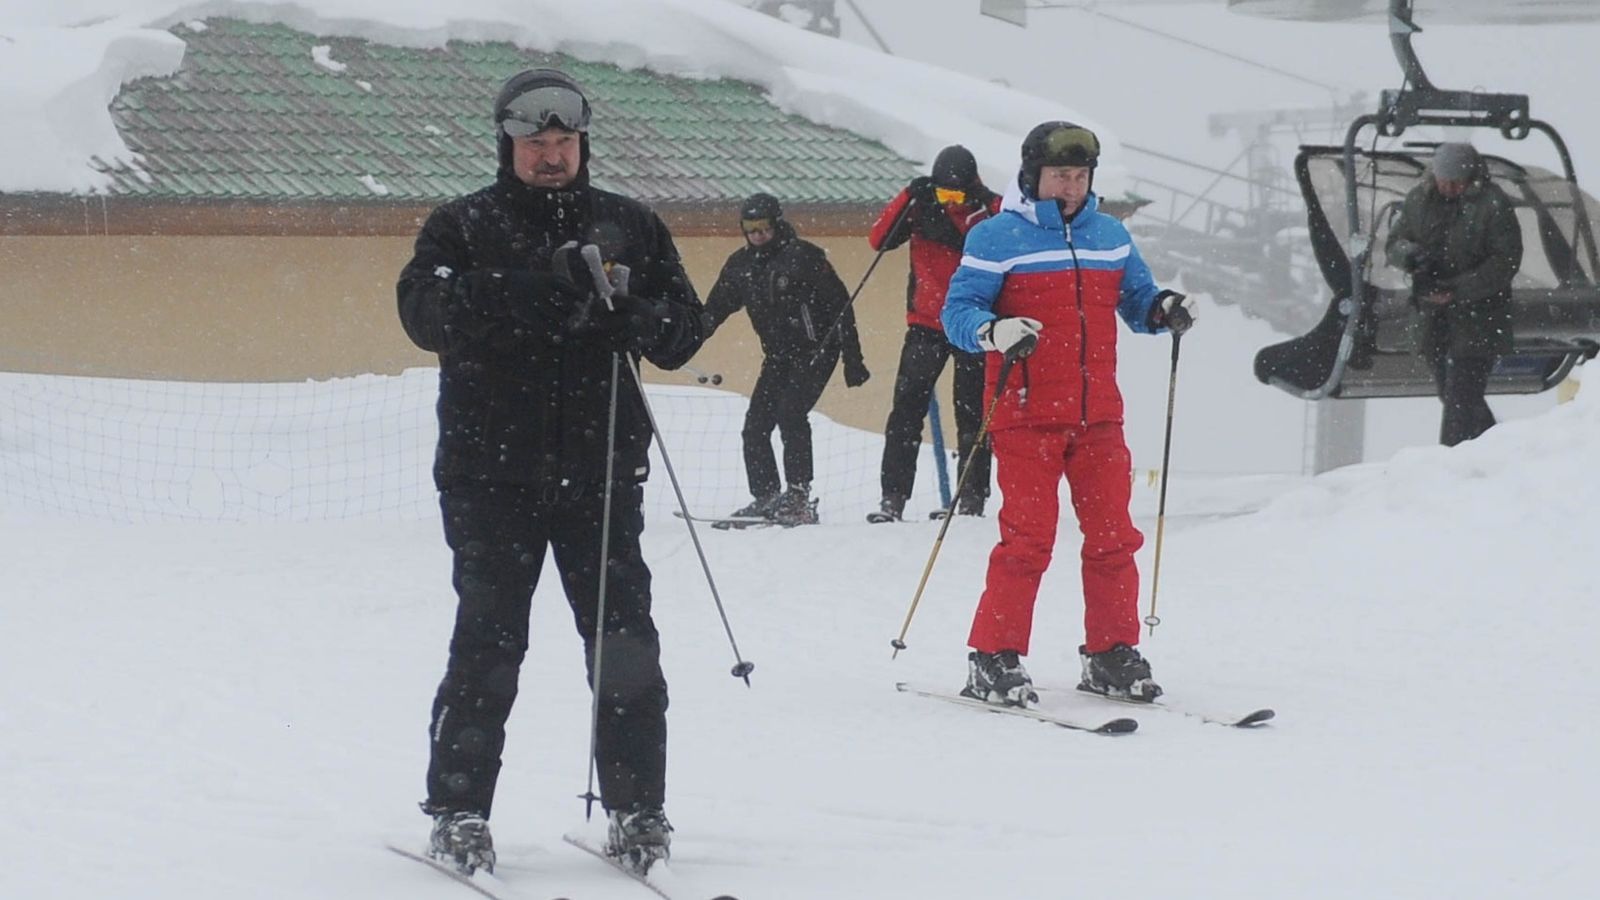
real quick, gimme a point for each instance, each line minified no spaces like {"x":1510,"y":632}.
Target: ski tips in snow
{"x":1232,"y":720}
{"x":1253,"y":719}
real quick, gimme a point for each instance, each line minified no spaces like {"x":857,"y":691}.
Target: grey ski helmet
{"x":1455,"y":161}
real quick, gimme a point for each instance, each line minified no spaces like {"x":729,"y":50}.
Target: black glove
{"x":540,"y":299}
{"x":921,"y":189}
{"x":1420,"y":260}
{"x":1415,"y":258}
{"x":630,"y":324}
{"x":855,"y":373}
{"x":1173,"y":312}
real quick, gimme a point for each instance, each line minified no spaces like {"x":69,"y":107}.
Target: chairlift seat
{"x":1555,"y":299}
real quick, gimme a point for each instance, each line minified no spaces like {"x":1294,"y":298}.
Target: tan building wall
{"x":263,"y":309}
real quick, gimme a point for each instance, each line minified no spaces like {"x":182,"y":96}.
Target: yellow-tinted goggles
{"x":750,"y":225}
{"x":947,"y":195}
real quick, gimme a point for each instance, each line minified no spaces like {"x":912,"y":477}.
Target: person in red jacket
{"x":934,"y":212}
{"x":1052,"y":269}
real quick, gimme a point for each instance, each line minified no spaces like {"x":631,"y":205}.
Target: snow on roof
{"x":61,"y":67}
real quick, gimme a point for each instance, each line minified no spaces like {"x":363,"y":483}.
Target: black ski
{"x":1231,"y":720}
{"x":472,"y":882}
{"x":1113,"y":726}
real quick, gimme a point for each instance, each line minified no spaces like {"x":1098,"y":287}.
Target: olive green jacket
{"x":1470,"y":246}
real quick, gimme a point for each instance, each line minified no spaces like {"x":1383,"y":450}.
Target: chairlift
{"x":1366,"y":343}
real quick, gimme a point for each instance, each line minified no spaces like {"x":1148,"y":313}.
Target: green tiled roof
{"x":252,"y":115}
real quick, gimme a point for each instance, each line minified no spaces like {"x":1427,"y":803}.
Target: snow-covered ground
{"x":239,"y":709}
{"x":215,"y":675}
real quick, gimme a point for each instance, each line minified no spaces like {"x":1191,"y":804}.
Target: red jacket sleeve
{"x":880,"y":237}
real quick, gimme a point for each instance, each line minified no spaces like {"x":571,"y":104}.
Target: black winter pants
{"x":1461,"y":382}
{"x":498,"y":534}
{"x":922,"y":360}
{"x":786,"y":390}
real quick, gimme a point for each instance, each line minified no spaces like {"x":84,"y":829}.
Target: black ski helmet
{"x":1057,"y":144}
{"x":760,"y":206}
{"x":540,"y":98}
{"x":955,"y":169}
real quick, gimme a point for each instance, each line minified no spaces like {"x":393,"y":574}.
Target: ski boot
{"x":639,"y":839}
{"x":462,"y":837}
{"x":999,"y":678}
{"x":796,"y":507}
{"x":1120,"y":673}
{"x":760,"y":508}
{"x":966,"y":506}
{"x":889,"y":510}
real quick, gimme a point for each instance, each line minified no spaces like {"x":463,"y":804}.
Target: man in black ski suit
{"x":525,"y":368}
{"x":1458,"y":237}
{"x":800,"y":311}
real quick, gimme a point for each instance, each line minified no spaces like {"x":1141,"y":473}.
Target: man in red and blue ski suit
{"x":1052,"y":267}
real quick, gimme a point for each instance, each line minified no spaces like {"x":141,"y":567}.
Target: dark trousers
{"x":1462,"y":381}
{"x":786,"y":390}
{"x":498,"y":534}
{"x":922,"y":360}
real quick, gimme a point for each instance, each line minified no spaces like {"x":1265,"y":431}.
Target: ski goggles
{"x":752,"y":226}
{"x":1073,"y":146}
{"x":949,"y":195}
{"x":553,"y":106}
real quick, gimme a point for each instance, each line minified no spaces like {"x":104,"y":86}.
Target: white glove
{"x":1175,"y":312}
{"x":1000,"y":335}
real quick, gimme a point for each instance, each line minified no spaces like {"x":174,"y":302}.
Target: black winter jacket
{"x":793,"y":296}
{"x":520,"y":399}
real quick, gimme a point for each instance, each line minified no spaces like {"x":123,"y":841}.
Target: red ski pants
{"x":1099,"y":470}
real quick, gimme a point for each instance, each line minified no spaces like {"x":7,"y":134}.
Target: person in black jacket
{"x":498,"y":290}
{"x":1458,"y":237}
{"x":800,"y":311}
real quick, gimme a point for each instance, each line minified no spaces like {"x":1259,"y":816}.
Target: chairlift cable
{"x":1090,"y":8}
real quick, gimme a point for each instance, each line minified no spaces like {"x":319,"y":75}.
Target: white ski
{"x":658,"y":879}
{"x":1112,"y":726}
{"x":1232,"y":720}
{"x":473,"y":882}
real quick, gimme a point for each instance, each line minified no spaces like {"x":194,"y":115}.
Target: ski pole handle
{"x":597,"y":272}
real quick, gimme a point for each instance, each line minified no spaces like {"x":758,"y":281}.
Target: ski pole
{"x":823,"y":341}
{"x":589,"y":796}
{"x":1020,"y":351}
{"x":940,"y":468}
{"x":1152,"y":620}
{"x":603,"y":285}
{"x":742,"y":667}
